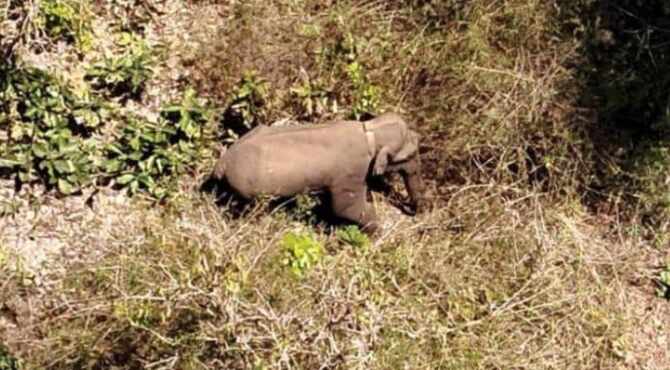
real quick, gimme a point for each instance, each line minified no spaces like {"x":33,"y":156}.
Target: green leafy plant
{"x":366,"y":96}
{"x":188,"y":115}
{"x":343,"y":46}
{"x":305,"y":205}
{"x":663,"y":283}
{"x":314,"y":99}
{"x":343,"y":55}
{"x":7,"y":361}
{"x":142,"y":153}
{"x":146,"y":153}
{"x":126,"y":74}
{"x":48,"y":130}
{"x":246,"y":108}
{"x":66,"y":20}
{"x":353,"y":236}
{"x":301,"y":252}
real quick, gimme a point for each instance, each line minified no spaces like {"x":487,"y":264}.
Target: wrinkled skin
{"x":336,"y":157}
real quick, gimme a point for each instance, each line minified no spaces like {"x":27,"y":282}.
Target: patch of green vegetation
{"x":663,"y":283}
{"x":246,"y":108}
{"x":353,"y":236}
{"x":342,"y":55}
{"x":126,"y":74}
{"x":314,"y":99}
{"x":303,"y":208}
{"x":366,"y":96}
{"x":53,"y":137}
{"x":301,"y":252}
{"x":7,"y":361}
{"x":145,"y":154}
{"x":49,"y":130}
{"x":67,"y":20}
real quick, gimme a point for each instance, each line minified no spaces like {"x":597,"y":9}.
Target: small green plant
{"x":301,"y":252}
{"x":343,"y":55}
{"x":304,"y":207}
{"x":67,"y":20}
{"x":366,"y":96}
{"x":246,"y":108}
{"x":314,"y":99}
{"x":663,"y":283}
{"x":341,"y":46}
{"x":353,"y":236}
{"x":7,"y":361}
{"x":188,"y":115}
{"x":126,"y":74}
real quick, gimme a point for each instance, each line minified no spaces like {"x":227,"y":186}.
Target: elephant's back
{"x":285,"y":163}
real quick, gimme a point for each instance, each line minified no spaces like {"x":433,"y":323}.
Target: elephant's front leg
{"x":351,"y":204}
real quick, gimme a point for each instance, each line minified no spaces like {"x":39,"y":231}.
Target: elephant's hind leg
{"x":351,"y":205}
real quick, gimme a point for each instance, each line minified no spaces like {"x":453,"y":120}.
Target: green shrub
{"x":66,"y":20}
{"x":366,"y":96}
{"x":353,"y":236}
{"x":342,"y":55}
{"x":48,"y":130}
{"x":7,"y":361}
{"x":663,"y":283}
{"x":126,"y":74}
{"x":188,"y":115}
{"x":246,"y":108}
{"x":51,"y":137}
{"x":304,"y":208}
{"x":301,"y":252}
{"x":145,"y":153}
{"x":314,"y":99}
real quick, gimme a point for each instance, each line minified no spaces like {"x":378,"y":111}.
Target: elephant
{"x":337,"y":157}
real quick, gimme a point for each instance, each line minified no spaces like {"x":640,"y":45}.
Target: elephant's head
{"x":397,"y":149}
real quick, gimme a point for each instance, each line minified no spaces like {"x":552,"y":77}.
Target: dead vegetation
{"x":544,"y":248}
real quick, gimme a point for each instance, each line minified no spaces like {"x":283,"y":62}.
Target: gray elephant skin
{"x":336,"y":157}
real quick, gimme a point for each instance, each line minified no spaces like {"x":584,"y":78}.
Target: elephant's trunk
{"x":220,"y":167}
{"x":415,"y":187}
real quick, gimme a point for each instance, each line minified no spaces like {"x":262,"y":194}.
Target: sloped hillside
{"x":545,"y":150}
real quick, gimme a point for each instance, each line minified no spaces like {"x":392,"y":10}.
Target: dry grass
{"x":511,"y":269}
{"x":486,"y":282}
{"x":491,"y":90}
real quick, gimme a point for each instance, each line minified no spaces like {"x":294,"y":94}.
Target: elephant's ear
{"x":381,"y":161}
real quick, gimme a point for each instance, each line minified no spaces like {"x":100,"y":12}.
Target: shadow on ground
{"x":314,"y":209}
{"x":625,"y":74}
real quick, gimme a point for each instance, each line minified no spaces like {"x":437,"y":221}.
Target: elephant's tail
{"x":220,"y":167}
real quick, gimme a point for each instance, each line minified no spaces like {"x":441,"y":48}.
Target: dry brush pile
{"x":549,"y":214}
